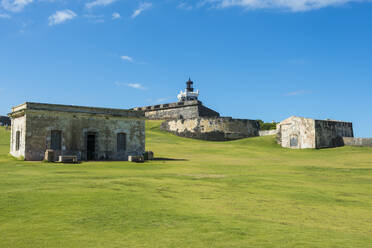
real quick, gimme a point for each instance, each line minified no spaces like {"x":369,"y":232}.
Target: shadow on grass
{"x":169,"y":159}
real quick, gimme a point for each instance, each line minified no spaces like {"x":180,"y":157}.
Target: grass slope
{"x":246,"y":193}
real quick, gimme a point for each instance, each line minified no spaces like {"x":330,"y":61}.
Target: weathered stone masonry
{"x":349,"y":141}
{"x":89,"y":133}
{"x":178,"y":110}
{"x":214,"y":129}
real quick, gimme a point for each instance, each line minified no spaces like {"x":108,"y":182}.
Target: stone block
{"x":136,"y":159}
{"x":67,"y":159}
{"x":49,"y":155}
{"x":148,"y":155}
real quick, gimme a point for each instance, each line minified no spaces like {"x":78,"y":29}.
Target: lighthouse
{"x":189,"y":94}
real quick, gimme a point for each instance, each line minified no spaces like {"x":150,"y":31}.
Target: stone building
{"x":300,"y":133}
{"x":86,"y":132}
{"x":188,"y":106}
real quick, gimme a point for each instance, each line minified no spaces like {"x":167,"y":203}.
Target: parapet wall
{"x":177,"y":110}
{"x":350,"y":141}
{"x":268,"y":132}
{"x":213,"y":129}
{"x":77,"y":109}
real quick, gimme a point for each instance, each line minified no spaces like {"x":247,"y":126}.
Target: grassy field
{"x":246,"y":193}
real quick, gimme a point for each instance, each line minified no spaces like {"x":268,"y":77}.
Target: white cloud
{"x":291,"y":5}
{"x":132,"y":85}
{"x":15,"y":5}
{"x":61,"y":17}
{"x":4,"y":16}
{"x":296,"y":93}
{"x":127,"y":58}
{"x":99,"y":3}
{"x":141,"y":8}
{"x":116,"y":16}
{"x":185,"y":6}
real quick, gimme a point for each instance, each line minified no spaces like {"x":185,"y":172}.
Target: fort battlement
{"x":177,"y":110}
{"x":168,"y":105}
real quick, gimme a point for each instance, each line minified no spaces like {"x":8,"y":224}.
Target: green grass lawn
{"x":246,"y":193}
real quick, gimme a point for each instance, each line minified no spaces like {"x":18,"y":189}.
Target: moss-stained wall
{"x":173,"y":113}
{"x":331,"y":133}
{"x":215,"y":129}
{"x":178,"y":110}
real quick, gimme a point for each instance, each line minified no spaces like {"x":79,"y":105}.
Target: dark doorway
{"x":91,"y":146}
{"x":294,"y":141}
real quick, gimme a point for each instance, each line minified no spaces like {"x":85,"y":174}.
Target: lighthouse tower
{"x":189,"y":94}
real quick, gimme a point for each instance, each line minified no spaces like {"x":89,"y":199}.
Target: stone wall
{"x":177,"y":110}
{"x":173,"y":113}
{"x":331,"y":133}
{"x":349,"y":141}
{"x":267,"y":132}
{"x":214,"y":129}
{"x":36,"y":123}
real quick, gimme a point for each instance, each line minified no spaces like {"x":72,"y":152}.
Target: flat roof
{"x":326,"y":120}
{"x":77,"y":109}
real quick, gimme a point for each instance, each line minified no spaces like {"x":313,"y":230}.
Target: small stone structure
{"x":350,"y":141}
{"x":5,"y":121}
{"x":214,"y":129}
{"x":86,"y":132}
{"x":300,"y":133}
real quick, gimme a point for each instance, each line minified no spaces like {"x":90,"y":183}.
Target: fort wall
{"x":177,"y":110}
{"x":330,"y":133}
{"x":267,"y":132}
{"x":213,"y":129}
{"x":350,"y":141}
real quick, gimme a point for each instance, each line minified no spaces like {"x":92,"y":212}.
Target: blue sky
{"x":256,"y":59}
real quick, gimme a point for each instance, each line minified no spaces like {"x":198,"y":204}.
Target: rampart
{"x":268,"y":132}
{"x":350,"y":141}
{"x":213,"y":129}
{"x":177,"y":110}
